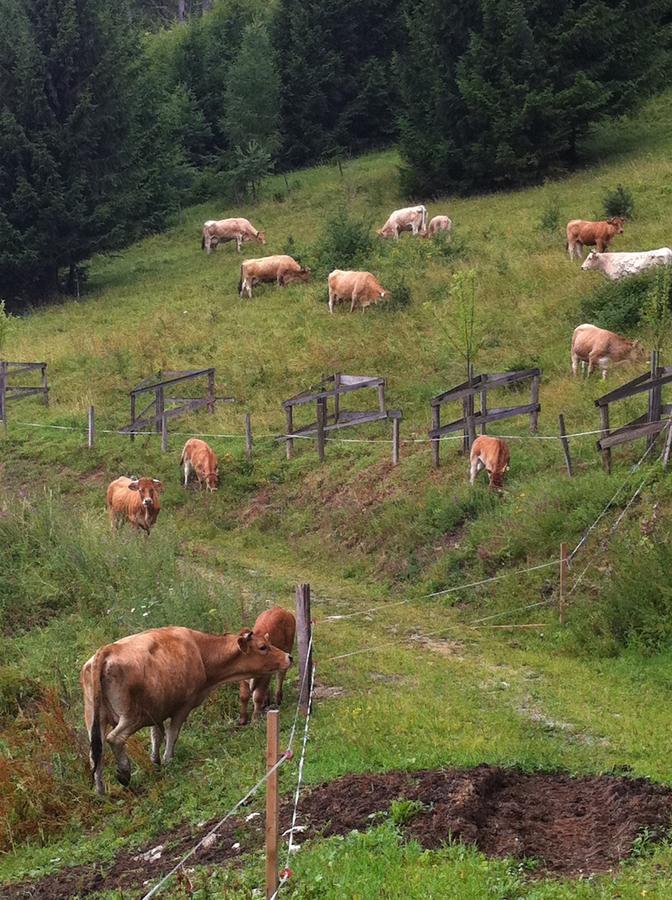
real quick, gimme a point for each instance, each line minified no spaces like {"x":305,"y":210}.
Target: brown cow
{"x":278,"y":627}
{"x":593,"y":346}
{"x":281,"y":269}
{"x":200,"y":459}
{"x":135,"y":500}
{"x":223,"y":230}
{"x":144,"y":679}
{"x":439,"y":223}
{"x":361,"y":288}
{"x":492,"y":454}
{"x":581,"y":233}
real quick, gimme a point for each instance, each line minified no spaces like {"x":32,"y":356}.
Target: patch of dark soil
{"x":572,"y":826}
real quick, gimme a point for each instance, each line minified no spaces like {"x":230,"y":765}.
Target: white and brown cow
{"x":439,"y":223}
{"x":199,"y":459}
{"x":491,"y":454}
{"x":596,"y":347}
{"x":280,"y":269}
{"x":223,"y":230}
{"x":134,"y":500}
{"x":411,"y":218}
{"x":359,"y":288}
{"x":145,"y":679}
{"x":620,"y":265}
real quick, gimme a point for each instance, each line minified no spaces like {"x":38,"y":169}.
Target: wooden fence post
{"x":436,"y":442}
{"x":654,"y":410}
{"x":604,"y":425}
{"x":164,"y":432}
{"x":272,"y":802}
{"x":45,"y":386}
{"x":248,"y":436}
{"x":160,"y":407}
{"x":564,"y":569}
{"x":668,"y":446}
{"x":565,"y":444}
{"x":395,"y":442}
{"x":289,"y":443}
{"x":304,"y":631}
{"x":211,"y":392}
{"x":92,"y":428}
{"x":320,"y":430}
{"x":484,"y":410}
{"x":534,"y":398}
{"x":132,"y":433}
{"x":3,"y":396}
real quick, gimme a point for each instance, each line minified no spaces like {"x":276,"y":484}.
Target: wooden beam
{"x":435,"y":431}
{"x":565,"y":445}
{"x":272,"y":801}
{"x":638,"y":385}
{"x":303,"y":635}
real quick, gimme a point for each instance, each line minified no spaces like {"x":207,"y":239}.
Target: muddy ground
{"x":570,"y":826}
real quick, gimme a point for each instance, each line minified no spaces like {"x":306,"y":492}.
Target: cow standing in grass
{"x":439,"y":223}
{"x":145,"y":679}
{"x":280,"y":269}
{"x":620,"y":265}
{"x":581,"y":233}
{"x":411,"y":218}
{"x":360,"y":288}
{"x":134,"y":500}
{"x":278,"y":627}
{"x":596,"y":347}
{"x":491,"y":454}
{"x":199,"y":459}
{"x":223,"y":230}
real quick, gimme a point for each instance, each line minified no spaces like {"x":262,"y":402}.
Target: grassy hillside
{"x":591,"y":697}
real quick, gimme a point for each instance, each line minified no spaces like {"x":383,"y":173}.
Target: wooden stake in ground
{"x":565,"y":444}
{"x":303,"y":632}
{"x":272,"y":802}
{"x":248,"y":436}
{"x":564,"y":569}
{"x":92,"y":428}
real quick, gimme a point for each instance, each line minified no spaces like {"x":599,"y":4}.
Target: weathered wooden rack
{"x":9,"y":373}
{"x":332,"y":388}
{"x":163,"y":406}
{"x":648,"y":425}
{"x":472,"y":419}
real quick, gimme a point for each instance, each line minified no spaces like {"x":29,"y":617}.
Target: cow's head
{"x":303,"y":275}
{"x":212,"y":478}
{"x":637,"y":351}
{"x":497,"y":480}
{"x":618,"y":223}
{"x":148,"y":488}
{"x":260,"y":238}
{"x":260,"y":655}
{"x":592,"y":261}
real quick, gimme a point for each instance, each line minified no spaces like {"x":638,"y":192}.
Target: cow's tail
{"x":203,"y":241}
{"x":240,"y":283}
{"x":424,"y":218}
{"x":97,"y":699}
{"x":184,"y":450}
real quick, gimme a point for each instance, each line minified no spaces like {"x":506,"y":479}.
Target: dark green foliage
{"x":251,"y":164}
{"x":400,"y":293}
{"x":345,"y":243}
{"x":549,"y":220}
{"x":496,"y":93}
{"x":617,"y":305}
{"x":619,"y":202}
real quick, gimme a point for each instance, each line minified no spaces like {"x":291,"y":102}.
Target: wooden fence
{"x":649,"y":424}
{"x":479,"y":385}
{"x":332,"y":389}
{"x":10,"y":372}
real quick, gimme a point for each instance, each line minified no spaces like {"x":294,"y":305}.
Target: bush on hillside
{"x":619,"y":202}
{"x":549,"y":220}
{"x":345,"y":243}
{"x":400,"y":293}
{"x":617,"y":305}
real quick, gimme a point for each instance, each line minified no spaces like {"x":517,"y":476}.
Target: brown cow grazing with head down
{"x":278,"y":627}
{"x":360,"y":288}
{"x":199,"y":459}
{"x":593,"y":346}
{"x":582,"y":234}
{"x":280,"y":269}
{"x":145,"y":679}
{"x":135,"y":500}
{"x":223,"y":230}
{"x":492,"y":454}
{"x":439,"y":223}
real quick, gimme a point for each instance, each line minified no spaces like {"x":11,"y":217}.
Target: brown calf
{"x":281,"y":269}
{"x":278,"y":626}
{"x":200,"y":459}
{"x":581,"y":233}
{"x":135,"y":500}
{"x":360,"y":288}
{"x":145,"y":679}
{"x":492,"y":454}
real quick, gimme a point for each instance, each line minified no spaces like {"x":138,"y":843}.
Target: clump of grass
{"x":402,"y":812}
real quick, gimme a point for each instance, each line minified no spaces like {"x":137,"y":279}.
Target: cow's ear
{"x":158,"y":485}
{"x":244,"y":640}
{"x":133,"y":486}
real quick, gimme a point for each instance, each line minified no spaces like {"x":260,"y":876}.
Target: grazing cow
{"x":224,"y":230}
{"x":281,"y":269}
{"x":144,"y":679}
{"x":277,"y":626}
{"x":620,"y":265}
{"x":598,"y":347}
{"x":412,"y":218}
{"x":582,"y":234}
{"x":200,"y":459}
{"x":360,"y":288}
{"x":491,"y":453}
{"x":135,"y":500}
{"x":439,"y":223}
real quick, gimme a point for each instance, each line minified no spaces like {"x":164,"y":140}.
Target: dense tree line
{"x":113,"y":114}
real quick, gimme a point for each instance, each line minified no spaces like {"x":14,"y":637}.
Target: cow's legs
{"x":244,"y":695}
{"x":173,"y":732}
{"x":476,"y":466}
{"x":238,"y":243}
{"x":575,"y":363}
{"x":96,"y":771}
{"x":157,"y":734}
{"x":187,"y":472}
{"x":260,"y":695}
{"x":278,"y":689}
{"x":117,"y":740}
{"x":332,"y":297}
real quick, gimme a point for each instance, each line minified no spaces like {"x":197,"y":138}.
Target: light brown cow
{"x":145,"y":679}
{"x":281,"y":269}
{"x":593,"y":346}
{"x":582,"y":233}
{"x":360,"y":288}
{"x":439,"y":223}
{"x":135,"y":500}
{"x":411,"y":218}
{"x":200,"y":459}
{"x":223,"y":230}
{"x":492,"y":454}
{"x":278,"y":627}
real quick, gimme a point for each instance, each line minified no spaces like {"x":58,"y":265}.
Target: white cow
{"x":620,"y":265}
{"x":411,"y":218}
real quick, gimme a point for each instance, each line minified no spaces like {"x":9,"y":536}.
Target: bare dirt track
{"x":571,"y":826}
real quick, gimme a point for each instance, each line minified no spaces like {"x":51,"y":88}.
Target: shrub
{"x":4,"y":324}
{"x":345,"y":243}
{"x":549,"y":221}
{"x":618,"y":305}
{"x":619,"y":202}
{"x":400,"y":292}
